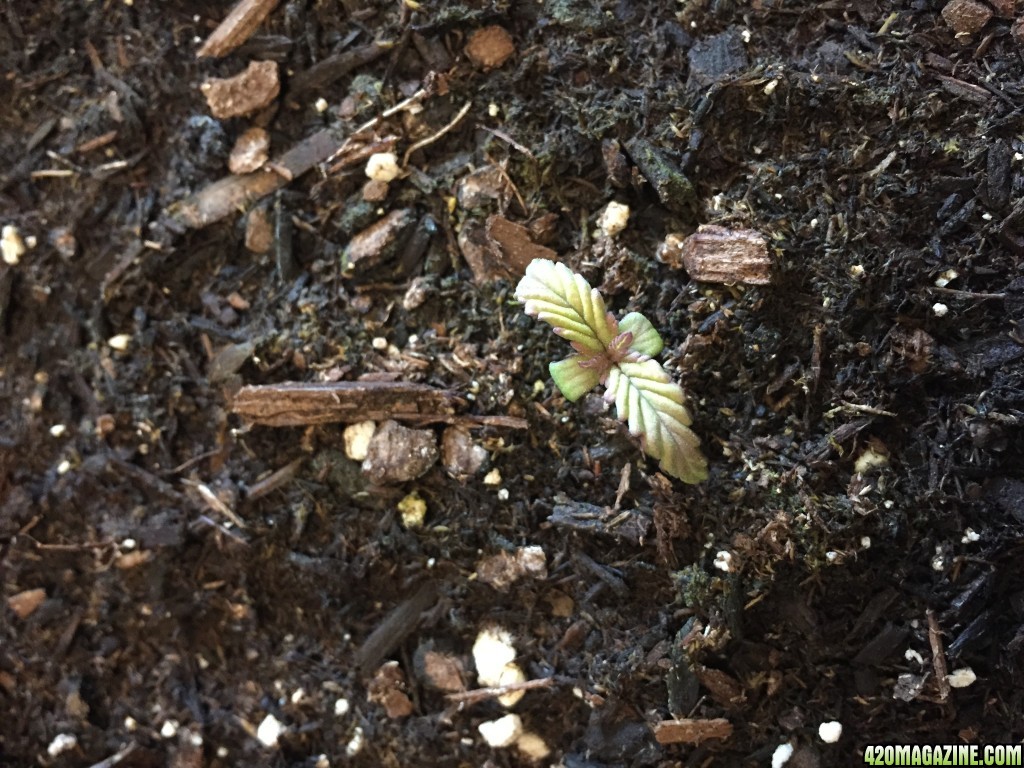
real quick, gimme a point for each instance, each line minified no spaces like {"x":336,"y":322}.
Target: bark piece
{"x":379,"y":241}
{"x":716,"y":254}
{"x":965,"y":17}
{"x":245,"y":93}
{"x":631,"y":525}
{"x":293,"y":404}
{"x":390,"y":633}
{"x":250,"y":151}
{"x":237,"y":27}
{"x":692,"y":731}
{"x":398,"y":454}
{"x":490,"y":47}
{"x":501,"y":251}
{"x":674,"y":189}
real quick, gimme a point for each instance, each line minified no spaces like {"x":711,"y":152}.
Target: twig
{"x":938,"y":655}
{"x":431,"y":139}
{"x":481,"y":694}
{"x":237,"y":27}
{"x":967,"y":294}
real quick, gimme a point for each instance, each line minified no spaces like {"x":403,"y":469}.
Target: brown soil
{"x":876,"y":150}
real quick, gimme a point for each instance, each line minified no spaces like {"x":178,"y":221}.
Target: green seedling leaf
{"x":558,"y":296}
{"x":646,"y":340}
{"x":652,"y":406}
{"x":572,"y":379}
{"x":617,"y":354}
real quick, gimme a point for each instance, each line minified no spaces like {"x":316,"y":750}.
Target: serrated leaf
{"x":572,"y":379}
{"x":652,"y":405}
{"x":646,"y":340}
{"x":555,"y":294}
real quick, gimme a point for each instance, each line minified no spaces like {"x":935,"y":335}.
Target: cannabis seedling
{"x":617,"y":354}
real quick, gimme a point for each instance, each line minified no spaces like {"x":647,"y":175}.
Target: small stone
{"x":269,"y":731}
{"x":383,"y":166}
{"x":12,"y":246}
{"x":490,"y":47}
{"x":413,"y":510}
{"x":397,"y":454}
{"x":62,"y":742}
{"x":357,"y":439}
{"x":250,"y":151}
{"x":961,"y":678}
{"x":502,"y":732}
{"x":965,"y":17}
{"x":781,"y":755}
{"x":830,"y":732}
{"x":532,"y":746}
{"x":23,"y":604}
{"x":120,"y":342}
{"x":245,"y":93}
{"x":492,"y":652}
{"x":614,"y":218}
{"x":939,"y":309}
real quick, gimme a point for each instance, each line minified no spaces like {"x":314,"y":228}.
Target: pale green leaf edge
{"x":652,"y":405}
{"x":553,"y":293}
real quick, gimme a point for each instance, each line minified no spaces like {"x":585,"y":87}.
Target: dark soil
{"x":874,"y":148}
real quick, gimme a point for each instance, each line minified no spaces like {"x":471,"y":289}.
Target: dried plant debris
{"x":618,"y":355}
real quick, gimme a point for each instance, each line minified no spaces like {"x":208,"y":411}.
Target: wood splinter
{"x":295,"y":404}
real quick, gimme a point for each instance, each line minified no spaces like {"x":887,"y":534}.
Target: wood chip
{"x":294,"y":404}
{"x":716,"y":254}
{"x":490,"y":47}
{"x":965,"y":17}
{"x":24,"y":604}
{"x":691,"y":731}
{"x":237,"y":27}
{"x":245,"y":93}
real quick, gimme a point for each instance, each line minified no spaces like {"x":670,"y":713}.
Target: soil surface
{"x":182,"y":588}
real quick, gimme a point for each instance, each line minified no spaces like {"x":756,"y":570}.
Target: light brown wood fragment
{"x":295,"y":404}
{"x":24,"y":604}
{"x":966,"y":17}
{"x":692,"y":731}
{"x":490,"y":47}
{"x":938,"y":655}
{"x":249,"y":91}
{"x":716,"y":254}
{"x":237,"y":27}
